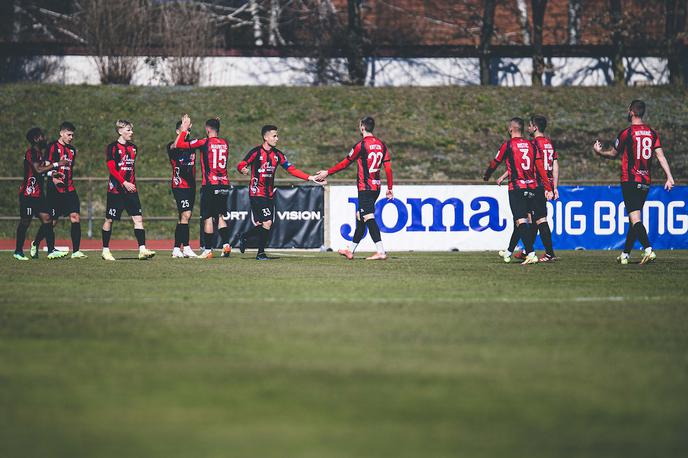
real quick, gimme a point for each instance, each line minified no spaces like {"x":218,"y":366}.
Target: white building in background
{"x":292,"y":71}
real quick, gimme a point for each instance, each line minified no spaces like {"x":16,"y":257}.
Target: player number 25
{"x":375,"y":161}
{"x":643,"y":147}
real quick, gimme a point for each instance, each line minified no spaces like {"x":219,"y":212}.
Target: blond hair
{"x":121,"y":124}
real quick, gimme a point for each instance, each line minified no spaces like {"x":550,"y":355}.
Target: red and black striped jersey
{"x":263,"y":163}
{"x":32,"y":184}
{"x":637,"y":144}
{"x":121,"y":160}
{"x":183,"y":161}
{"x":58,"y":152}
{"x":544,"y":151}
{"x":214,"y":156}
{"x":523,"y":168}
{"x":370,"y":154}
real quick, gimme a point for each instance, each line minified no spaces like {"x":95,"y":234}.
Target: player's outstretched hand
{"x":321,"y":175}
{"x":244,"y":170}
{"x":390,"y":194}
{"x":130,"y":187}
{"x":186,"y":123}
{"x":669,"y":184}
{"x":597,"y":146}
{"x":549,"y":195}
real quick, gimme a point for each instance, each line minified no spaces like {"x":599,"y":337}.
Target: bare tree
{"x":486,"y":32}
{"x":539,"y":7}
{"x":116,"y":32}
{"x":523,"y":18}
{"x":675,"y":29}
{"x":574,"y":21}
{"x":355,"y":44}
{"x":617,"y":24}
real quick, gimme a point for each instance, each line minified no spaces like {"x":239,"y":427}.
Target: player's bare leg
{"x":22,"y":227}
{"x":526,"y":238}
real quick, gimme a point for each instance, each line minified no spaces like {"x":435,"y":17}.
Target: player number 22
{"x":643,"y":147}
{"x":375,"y":161}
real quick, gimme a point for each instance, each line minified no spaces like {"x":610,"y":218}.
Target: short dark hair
{"x":33,"y":134}
{"x":520,"y":122}
{"x":178,"y":125}
{"x":637,"y":107}
{"x":266,"y":128}
{"x":67,"y":126}
{"x":213,"y":124}
{"x":368,"y":123}
{"x":539,"y":121}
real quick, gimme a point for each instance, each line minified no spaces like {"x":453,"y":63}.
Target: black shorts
{"x":32,"y":206}
{"x":63,"y":203}
{"x":366,"y":202}
{"x":634,"y":195}
{"x":539,"y":207}
{"x":128,"y":201}
{"x":213,"y":201}
{"x":522,"y":202}
{"x":185,"y":198}
{"x":262,"y":209}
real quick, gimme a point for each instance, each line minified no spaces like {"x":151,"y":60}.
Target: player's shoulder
{"x":132,"y":145}
{"x":111,"y":145}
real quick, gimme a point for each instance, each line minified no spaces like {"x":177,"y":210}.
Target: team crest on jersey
{"x":31,"y":186}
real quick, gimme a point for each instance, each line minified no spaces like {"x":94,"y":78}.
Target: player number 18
{"x":643,"y":147}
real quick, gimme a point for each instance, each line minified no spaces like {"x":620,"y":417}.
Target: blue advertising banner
{"x":594,"y":217}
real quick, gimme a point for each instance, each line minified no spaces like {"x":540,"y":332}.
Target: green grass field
{"x":425,"y":355}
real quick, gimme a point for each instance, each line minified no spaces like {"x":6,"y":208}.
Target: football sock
{"x":106,"y":238}
{"x":21,"y":237}
{"x":224,"y":234}
{"x":76,"y":236}
{"x":177,"y":235}
{"x":641,"y":233}
{"x":379,"y":247}
{"x":546,"y":236}
{"x":184,"y":234}
{"x":524,"y":231}
{"x":49,"y":236}
{"x":374,"y":230}
{"x":40,"y":235}
{"x":630,"y":240}
{"x":533,"y":232}
{"x":140,"y":237}
{"x":359,"y":232}
{"x":255,"y":231}
{"x":514,"y":239}
{"x":208,"y":240}
{"x":263,"y":239}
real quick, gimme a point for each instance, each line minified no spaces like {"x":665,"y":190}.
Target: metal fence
{"x":94,"y":188}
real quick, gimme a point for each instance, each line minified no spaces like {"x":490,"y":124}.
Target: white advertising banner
{"x":431,"y":218}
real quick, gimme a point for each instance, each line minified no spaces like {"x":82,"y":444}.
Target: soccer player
{"x":61,"y":195}
{"x":31,"y":199}
{"x":122,"y":193}
{"x":636,"y":145}
{"x":544,"y":151}
{"x":183,"y":161}
{"x":370,"y":154}
{"x":261,"y":163}
{"x":215,"y":183}
{"x":523,"y":169}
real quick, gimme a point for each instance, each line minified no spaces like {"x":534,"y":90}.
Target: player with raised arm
{"x":61,"y":195}
{"x":31,"y":199}
{"x":183,"y":162}
{"x":122,"y":193}
{"x":636,"y":144}
{"x":370,"y":155}
{"x":214,"y":153}
{"x":261,"y":164}
{"x":523,"y":169}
